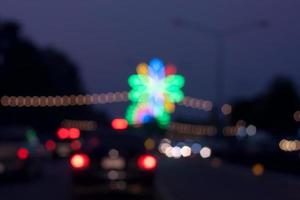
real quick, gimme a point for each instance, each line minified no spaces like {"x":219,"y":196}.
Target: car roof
{"x":124,"y":140}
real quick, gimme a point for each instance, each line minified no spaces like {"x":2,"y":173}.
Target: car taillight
{"x":50,"y":145}
{"x":62,"y":133}
{"x":119,"y":124}
{"x":147,"y":162}
{"x":22,"y":153}
{"x":71,"y":133}
{"x":80,"y":161}
{"x":74,"y":133}
{"x":75,"y":145}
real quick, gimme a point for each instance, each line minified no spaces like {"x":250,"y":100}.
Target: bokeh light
{"x":186,"y":151}
{"x":154,"y":90}
{"x":205,"y":152}
{"x":149,"y":144}
{"x":119,"y":124}
{"x":258,"y":169}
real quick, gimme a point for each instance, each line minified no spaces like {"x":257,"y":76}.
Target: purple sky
{"x":108,"y":38}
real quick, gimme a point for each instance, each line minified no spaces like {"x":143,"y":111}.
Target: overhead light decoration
{"x":154,"y":91}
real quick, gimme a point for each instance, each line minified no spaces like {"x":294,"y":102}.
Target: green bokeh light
{"x":152,"y":94}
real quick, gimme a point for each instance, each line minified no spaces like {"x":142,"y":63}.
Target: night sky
{"x":108,"y":38}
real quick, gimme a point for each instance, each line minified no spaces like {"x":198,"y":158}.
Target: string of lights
{"x":240,"y":129}
{"x":83,"y":125}
{"x":192,"y":129}
{"x":63,"y":101}
{"x":122,"y":96}
{"x":289,"y":145}
{"x":196,"y":103}
{"x":89,"y":99}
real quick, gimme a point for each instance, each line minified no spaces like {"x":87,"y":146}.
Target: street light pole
{"x":220,"y":37}
{"x":220,"y":60}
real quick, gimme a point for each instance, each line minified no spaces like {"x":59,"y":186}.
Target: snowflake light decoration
{"x":155,"y":90}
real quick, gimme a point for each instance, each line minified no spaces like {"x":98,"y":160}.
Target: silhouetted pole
{"x":220,"y":37}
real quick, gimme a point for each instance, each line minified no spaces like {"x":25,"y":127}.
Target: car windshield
{"x":127,"y":145}
{"x":110,"y":139}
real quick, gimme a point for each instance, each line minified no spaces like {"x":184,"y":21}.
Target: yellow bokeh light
{"x":142,"y":69}
{"x":170,"y":107}
{"x":149,"y":144}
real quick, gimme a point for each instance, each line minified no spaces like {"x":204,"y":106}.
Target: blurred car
{"x":20,"y":152}
{"x":113,"y":163}
{"x":67,"y":141}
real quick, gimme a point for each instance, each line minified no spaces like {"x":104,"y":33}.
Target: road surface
{"x":203,"y":179}
{"x":180,"y":179}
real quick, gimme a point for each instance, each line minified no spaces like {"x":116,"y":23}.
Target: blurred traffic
{"x":152,"y":100}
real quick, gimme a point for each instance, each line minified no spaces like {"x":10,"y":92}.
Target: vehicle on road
{"x":113,"y":163}
{"x":66,"y":141}
{"x":20,"y":152}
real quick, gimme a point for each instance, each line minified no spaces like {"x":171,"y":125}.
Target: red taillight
{"x":75,"y":145}
{"x":147,"y":162}
{"x":80,"y":161}
{"x":74,"y":133}
{"x":22,"y":153}
{"x":119,"y":124}
{"x":50,"y":145}
{"x":63,"y":133}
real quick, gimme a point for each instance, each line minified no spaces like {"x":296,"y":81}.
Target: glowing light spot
{"x":170,"y":107}
{"x":50,"y":145}
{"x":176,"y":152}
{"x":168,"y":151}
{"x":119,"y":124}
{"x":226,"y":109}
{"x":74,"y":133}
{"x":23,"y":153}
{"x":149,"y":144}
{"x":207,"y":105}
{"x":142,"y":69}
{"x":297,"y":116}
{"x":147,"y":162}
{"x":186,"y":151}
{"x":170,"y":69}
{"x":251,"y":130}
{"x":80,"y":161}
{"x":289,"y":145}
{"x":166,"y":140}
{"x":154,"y":91}
{"x":63,"y":133}
{"x":75,"y":145}
{"x":258,"y":169}
{"x":205,"y":152}
{"x":163,"y":147}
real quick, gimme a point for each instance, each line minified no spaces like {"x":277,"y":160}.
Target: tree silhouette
{"x":273,"y":111}
{"x":28,"y":70}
